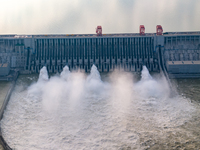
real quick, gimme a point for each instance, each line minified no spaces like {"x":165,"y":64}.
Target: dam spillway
{"x":180,"y":52}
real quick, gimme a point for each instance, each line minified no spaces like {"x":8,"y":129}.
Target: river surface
{"x":118,"y":110}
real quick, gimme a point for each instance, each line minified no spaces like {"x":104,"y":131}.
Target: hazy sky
{"x":82,"y":16}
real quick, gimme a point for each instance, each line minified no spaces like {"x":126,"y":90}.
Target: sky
{"x":83,"y":16}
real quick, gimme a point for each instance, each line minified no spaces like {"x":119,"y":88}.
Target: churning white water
{"x":79,"y":111}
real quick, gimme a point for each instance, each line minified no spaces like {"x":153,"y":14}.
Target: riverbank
{"x":4,"y":87}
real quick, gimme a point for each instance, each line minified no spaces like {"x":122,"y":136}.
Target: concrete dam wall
{"x":128,"y":52}
{"x":182,"y":55}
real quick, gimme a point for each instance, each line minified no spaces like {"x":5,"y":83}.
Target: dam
{"x":176,"y":52}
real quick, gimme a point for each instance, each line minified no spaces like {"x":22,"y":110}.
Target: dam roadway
{"x":128,"y":52}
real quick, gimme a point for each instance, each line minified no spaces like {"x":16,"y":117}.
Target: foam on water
{"x":75,"y":111}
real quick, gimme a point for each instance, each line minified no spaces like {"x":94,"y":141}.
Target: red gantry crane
{"x":142,"y":30}
{"x":159,"y":30}
{"x":99,"y":31}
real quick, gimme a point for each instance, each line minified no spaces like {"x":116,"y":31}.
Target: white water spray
{"x":36,"y":89}
{"x":43,"y":74}
{"x":72,"y":111}
{"x":65,"y":74}
{"x":94,"y":74}
{"x":145,"y":74}
{"x":149,"y":87}
{"x":94,"y":83}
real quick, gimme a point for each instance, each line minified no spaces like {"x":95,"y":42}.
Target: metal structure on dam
{"x":128,"y":52}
